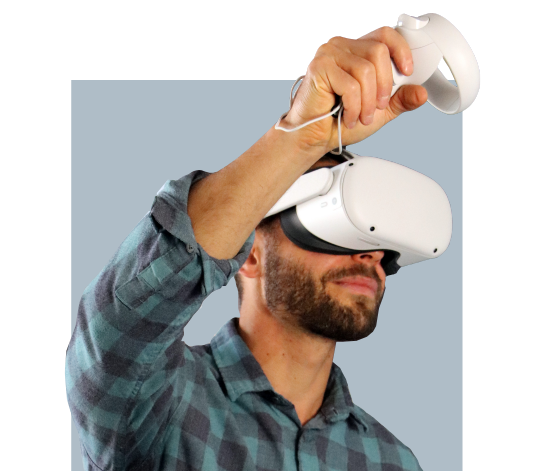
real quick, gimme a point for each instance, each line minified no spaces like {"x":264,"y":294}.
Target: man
{"x":264,"y":394}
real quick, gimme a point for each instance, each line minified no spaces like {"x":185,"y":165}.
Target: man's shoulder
{"x":392,"y":449}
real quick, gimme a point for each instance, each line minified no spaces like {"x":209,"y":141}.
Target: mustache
{"x":356,"y":270}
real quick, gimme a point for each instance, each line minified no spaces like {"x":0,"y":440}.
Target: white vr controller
{"x":370,"y":204}
{"x":431,"y":39}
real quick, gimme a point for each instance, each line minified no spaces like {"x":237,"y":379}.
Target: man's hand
{"x":359,"y":71}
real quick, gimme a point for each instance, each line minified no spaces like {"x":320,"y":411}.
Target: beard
{"x":293,"y":294}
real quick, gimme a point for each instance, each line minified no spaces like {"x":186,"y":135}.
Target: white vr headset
{"x":370,"y":204}
{"x":367,"y":204}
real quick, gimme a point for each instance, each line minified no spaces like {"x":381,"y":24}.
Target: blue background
{"x":129,"y":137}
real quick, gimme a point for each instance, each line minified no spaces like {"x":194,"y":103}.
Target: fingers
{"x":397,"y":46}
{"x":378,"y":55}
{"x":367,"y":60}
{"x":360,"y":72}
{"x":360,"y":94}
{"x":342,"y":84}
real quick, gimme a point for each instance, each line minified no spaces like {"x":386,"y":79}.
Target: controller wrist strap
{"x":337,"y":109}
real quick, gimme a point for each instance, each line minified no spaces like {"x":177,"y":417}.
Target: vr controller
{"x":370,"y":204}
{"x":431,"y":39}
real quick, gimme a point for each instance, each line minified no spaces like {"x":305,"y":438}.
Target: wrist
{"x":309,"y":142}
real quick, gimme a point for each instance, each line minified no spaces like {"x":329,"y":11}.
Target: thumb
{"x":407,"y":98}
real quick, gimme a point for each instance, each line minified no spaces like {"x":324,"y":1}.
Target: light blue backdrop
{"x":129,"y":137}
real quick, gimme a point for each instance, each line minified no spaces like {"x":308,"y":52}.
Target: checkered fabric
{"x":143,"y":400}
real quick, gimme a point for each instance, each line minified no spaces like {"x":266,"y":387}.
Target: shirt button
{"x":190,"y":248}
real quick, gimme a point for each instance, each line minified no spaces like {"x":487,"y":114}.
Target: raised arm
{"x":226,"y":206}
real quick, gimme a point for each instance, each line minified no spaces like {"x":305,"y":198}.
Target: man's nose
{"x":369,"y":258}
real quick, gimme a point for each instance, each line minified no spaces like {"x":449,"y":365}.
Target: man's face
{"x":336,"y":297}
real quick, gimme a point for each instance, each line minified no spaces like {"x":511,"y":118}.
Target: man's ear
{"x":252,"y":268}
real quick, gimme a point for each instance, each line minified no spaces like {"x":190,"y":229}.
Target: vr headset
{"x":367,"y":204}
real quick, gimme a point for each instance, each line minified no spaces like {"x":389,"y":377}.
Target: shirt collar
{"x":241,"y":373}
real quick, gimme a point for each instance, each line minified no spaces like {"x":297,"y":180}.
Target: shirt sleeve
{"x":126,"y":364}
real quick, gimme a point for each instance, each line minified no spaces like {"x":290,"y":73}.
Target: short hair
{"x":268,"y":226}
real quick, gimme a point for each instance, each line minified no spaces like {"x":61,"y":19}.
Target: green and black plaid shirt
{"x":143,"y":400}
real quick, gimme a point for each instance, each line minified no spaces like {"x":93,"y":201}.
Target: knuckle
{"x":336,"y":40}
{"x":385,"y":32}
{"x":379,"y":51}
{"x":321,"y":62}
{"x":323,"y":49}
{"x":353,"y":89}
{"x":318,"y":64}
{"x":366,"y":70}
{"x":312,"y":69}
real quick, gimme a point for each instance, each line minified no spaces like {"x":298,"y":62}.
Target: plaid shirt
{"x":143,"y":400}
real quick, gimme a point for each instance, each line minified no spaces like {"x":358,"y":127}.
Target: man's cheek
{"x":381,"y":274}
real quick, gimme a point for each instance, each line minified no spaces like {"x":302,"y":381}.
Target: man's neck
{"x":297,"y":364}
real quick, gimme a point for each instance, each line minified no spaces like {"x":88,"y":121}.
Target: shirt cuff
{"x":169,"y":210}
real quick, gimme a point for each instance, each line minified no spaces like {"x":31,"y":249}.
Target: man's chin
{"x":356,"y":336}
{"x":345,"y":326}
